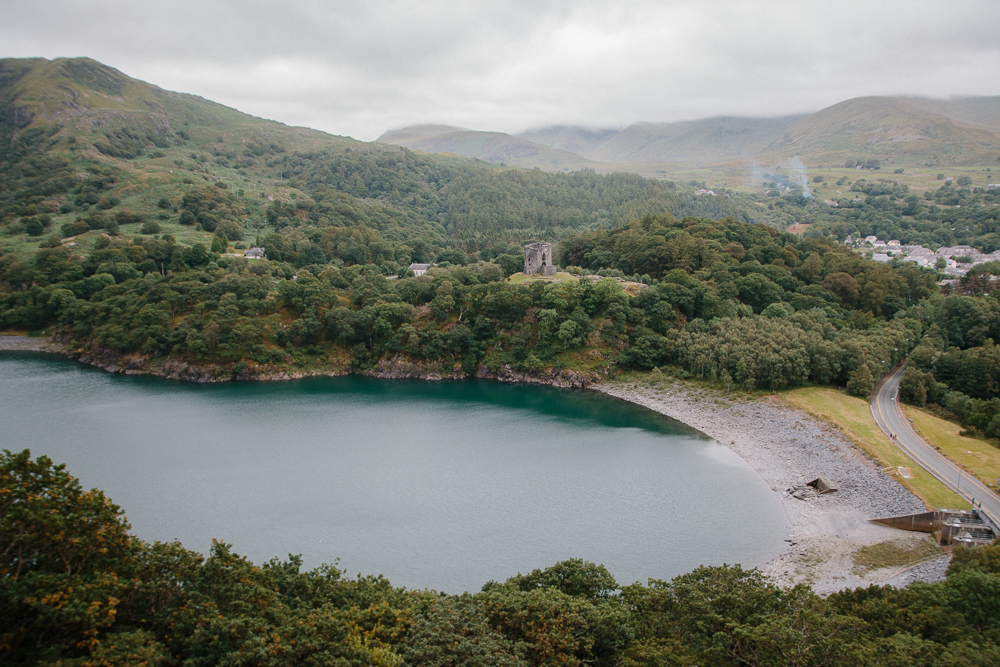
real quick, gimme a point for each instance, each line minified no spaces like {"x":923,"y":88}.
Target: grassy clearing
{"x":854,"y":419}
{"x":977,"y":456}
{"x":897,"y":553}
{"x":521,"y":279}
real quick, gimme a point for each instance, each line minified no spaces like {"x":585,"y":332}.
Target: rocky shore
{"x":399,"y":367}
{"x":788,"y":449}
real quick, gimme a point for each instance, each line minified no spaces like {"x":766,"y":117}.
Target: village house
{"x":419,"y":269}
{"x":254,"y":253}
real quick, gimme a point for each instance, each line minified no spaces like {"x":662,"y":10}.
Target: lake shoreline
{"x":785,"y":447}
{"x":788,"y":448}
{"x":399,"y":367}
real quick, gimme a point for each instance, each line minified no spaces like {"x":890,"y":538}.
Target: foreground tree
{"x":61,"y":552}
{"x":861,"y":382}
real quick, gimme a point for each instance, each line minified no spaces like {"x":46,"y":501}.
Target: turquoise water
{"x":439,"y":485}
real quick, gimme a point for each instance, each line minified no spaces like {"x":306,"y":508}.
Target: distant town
{"x":954,"y":261}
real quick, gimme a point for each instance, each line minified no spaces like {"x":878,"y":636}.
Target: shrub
{"x":150,"y":227}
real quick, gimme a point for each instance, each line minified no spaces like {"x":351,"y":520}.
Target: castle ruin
{"x":538,"y":260}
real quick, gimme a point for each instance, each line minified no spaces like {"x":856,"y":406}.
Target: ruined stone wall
{"x":538,"y":259}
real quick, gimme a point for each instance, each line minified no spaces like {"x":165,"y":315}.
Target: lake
{"x":440,"y":485}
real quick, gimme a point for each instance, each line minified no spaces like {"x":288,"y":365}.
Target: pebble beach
{"x":788,"y":448}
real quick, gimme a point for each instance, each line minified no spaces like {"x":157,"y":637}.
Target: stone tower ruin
{"x":538,"y":260}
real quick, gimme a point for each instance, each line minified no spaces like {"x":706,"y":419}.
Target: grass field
{"x":852,"y":416}
{"x":977,"y":456}
{"x":521,"y":279}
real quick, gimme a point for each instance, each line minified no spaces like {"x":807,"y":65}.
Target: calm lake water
{"x":439,"y":485}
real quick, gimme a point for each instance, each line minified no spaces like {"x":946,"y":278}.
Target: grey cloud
{"x":359,"y":68}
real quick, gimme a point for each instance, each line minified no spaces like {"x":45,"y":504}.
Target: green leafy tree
{"x":861,"y":382}
{"x":61,"y":555}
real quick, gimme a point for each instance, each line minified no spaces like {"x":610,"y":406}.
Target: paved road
{"x":885,"y":409}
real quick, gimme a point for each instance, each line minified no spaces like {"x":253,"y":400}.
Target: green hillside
{"x":91,"y":151}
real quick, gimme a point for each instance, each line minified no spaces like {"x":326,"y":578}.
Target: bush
{"x":150,"y":227}
{"x":73,"y":228}
{"x":127,"y":217}
{"x":34,"y":227}
{"x":108,"y":202}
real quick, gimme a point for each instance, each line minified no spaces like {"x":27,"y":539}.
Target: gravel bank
{"x":24,"y":344}
{"x":930,"y":571}
{"x":787,"y":449}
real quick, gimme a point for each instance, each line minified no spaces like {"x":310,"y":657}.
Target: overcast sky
{"x":361,"y":68}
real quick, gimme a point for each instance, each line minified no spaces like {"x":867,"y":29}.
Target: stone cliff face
{"x":398,"y":367}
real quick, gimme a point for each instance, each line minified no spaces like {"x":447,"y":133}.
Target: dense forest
{"x":79,"y":589}
{"x":727,"y":301}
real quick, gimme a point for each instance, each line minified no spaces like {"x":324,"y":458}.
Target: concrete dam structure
{"x":968,"y":527}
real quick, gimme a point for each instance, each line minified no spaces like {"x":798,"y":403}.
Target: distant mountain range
{"x":899,"y":130}
{"x":496,"y":147}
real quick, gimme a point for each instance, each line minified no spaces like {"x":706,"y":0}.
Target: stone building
{"x":538,"y":260}
{"x":419,"y":269}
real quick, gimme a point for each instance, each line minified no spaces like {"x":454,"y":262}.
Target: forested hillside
{"x":79,"y":589}
{"x":90,"y":151}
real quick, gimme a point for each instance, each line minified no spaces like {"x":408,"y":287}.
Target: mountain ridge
{"x":906,"y":128}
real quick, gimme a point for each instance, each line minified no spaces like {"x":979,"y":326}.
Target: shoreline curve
{"x":785,"y":447}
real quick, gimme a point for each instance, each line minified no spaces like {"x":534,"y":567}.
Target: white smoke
{"x":756,"y":174}
{"x":800,"y":170}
